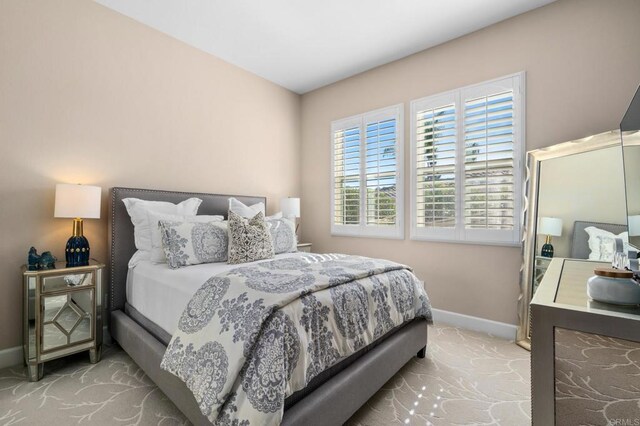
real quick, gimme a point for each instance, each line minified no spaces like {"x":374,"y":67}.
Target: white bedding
{"x":161,"y":294}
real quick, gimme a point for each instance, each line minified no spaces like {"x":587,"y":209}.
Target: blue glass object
{"x":77,"y":250}
{"x":547,"y":250}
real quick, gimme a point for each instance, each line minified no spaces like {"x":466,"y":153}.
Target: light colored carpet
{"x":467,"y":378}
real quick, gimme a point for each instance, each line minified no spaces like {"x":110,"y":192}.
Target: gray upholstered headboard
{"x":580,"y":242}
{"x":121,"y":229}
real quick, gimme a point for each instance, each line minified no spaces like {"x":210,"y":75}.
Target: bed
{"x":330,"y":398}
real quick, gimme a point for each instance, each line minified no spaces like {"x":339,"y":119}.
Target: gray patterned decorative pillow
{"x":283,"y":234}
{"x":249,"y":239}
{"x":192,"y":243}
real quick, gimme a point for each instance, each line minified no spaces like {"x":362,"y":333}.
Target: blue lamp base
{"x":77,"y":251}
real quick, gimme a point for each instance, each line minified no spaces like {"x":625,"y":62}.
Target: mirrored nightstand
{"x":541,"y":265}
{"x":304,"y":247}
{"x":62,"y":314}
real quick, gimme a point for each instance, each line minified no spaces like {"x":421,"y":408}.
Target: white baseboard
{"x":11,"y":357}
{"x":495,"y":328}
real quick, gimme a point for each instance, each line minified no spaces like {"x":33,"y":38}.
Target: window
{"x":367,"y":190}
{"x":466,"y":163}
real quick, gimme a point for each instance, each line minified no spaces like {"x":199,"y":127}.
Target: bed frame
{"x":330,"y":401}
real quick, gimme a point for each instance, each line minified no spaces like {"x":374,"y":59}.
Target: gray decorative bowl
{"x":619,"y":291}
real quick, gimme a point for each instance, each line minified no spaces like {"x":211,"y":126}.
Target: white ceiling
{"x":306,"y":44}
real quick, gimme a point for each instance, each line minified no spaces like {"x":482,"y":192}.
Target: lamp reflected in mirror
{"x":550,"y":227}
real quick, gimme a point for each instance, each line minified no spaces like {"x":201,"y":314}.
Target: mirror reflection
{"x":66,"y":319}
{"x":576,"y":208}
{"x":631,"y":148}
{"x":581,"y":206}
{"x":630,"y":132}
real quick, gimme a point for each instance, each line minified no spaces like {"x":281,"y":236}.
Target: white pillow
{"x":139,"y":212}
{"x":157,"y":250}
{"x":243,"y":210}
{"x":601,"y":243}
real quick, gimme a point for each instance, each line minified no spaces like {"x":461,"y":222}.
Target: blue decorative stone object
{"x":37,"y":262}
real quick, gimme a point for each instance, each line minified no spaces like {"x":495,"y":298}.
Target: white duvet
{"x":161,"y":294}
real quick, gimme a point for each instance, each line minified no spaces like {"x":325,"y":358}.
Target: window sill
{"x":421,"y":238}
{"x":367,"y":232}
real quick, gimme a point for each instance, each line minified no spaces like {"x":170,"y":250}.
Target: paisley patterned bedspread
{"x":256,"y":334}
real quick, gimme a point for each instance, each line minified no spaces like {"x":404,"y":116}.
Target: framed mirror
{"x":571,"y":189}
{"x":630,"y":133}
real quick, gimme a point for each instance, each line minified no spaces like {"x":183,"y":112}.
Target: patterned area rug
{"x":467,"y":378}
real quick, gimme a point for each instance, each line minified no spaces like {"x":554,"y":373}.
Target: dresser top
{"x":565,"y":286}
{"x":61,"y":267}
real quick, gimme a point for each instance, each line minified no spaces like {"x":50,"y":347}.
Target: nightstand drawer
{"x":67,"y":282}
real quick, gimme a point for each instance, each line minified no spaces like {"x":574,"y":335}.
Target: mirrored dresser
{"x":62,"y":314}
{"x":585,"y":355}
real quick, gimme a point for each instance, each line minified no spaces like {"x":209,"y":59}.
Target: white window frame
{"x":362,"y":229}
{"x":459,"y":234}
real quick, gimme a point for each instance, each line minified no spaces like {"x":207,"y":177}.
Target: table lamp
{"x":551,"y":227}
{"x":77,"y":202}
{"x":291,"y":208}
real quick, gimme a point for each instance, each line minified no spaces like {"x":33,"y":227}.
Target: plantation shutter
{"x":489,"y":162}
{"x":380,"y":171}
{"x":367,"y":182}
{"x":435,"y":166}
{"x":466,"y":149}
{"x":346,"y":171}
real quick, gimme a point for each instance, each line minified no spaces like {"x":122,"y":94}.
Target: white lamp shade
{"x":290,"y":207}
{"x":550,"y":226}
{"x":78,"y":201}
{"x":634,"y":225}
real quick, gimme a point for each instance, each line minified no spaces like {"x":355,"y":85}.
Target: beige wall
{"x":583,"y":67}
{"x":586,"y":187}
{"x":88,"y":95}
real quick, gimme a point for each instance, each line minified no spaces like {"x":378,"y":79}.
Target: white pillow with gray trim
{"x":157,"y":251}
{"x":193,"y":243}
{"x":283,"y":234}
